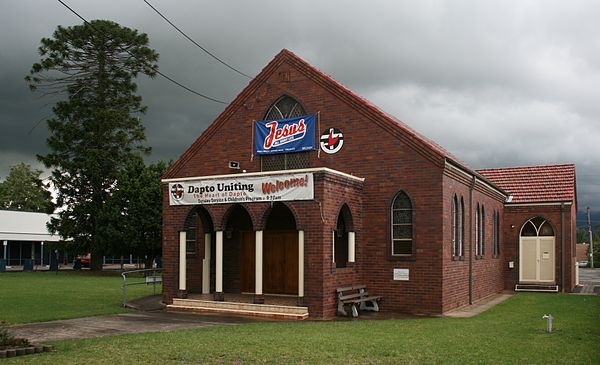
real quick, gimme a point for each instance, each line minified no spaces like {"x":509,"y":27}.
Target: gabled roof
{"x":25,"y":226}
{"x":535,"y":184}
{"x":404,"y":133}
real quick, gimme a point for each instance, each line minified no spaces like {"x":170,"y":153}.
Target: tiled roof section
{"x":534,"y":184}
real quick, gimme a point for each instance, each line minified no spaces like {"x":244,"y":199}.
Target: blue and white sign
{"x":285,"y":135}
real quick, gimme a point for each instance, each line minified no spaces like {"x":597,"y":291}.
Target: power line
{"x":157,"y":71}
{"x":196,"y":43}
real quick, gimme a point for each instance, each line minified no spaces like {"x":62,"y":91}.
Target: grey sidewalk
{"x":118,"y":324}
{"x":590,"y":281}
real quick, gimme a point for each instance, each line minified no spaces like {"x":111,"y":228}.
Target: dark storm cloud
{"x":499,"y":83}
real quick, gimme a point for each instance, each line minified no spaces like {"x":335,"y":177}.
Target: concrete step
{"x":537,"y":287}
{"x":261,"y":310}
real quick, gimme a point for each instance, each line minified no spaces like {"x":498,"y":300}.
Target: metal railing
{"x":149,"y":276}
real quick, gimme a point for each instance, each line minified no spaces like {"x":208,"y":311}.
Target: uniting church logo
{"x":177,"y":191}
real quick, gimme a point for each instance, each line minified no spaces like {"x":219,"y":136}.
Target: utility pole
{"x":591,"y":242}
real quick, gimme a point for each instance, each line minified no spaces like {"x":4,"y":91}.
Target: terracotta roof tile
{"x":528,"y":184}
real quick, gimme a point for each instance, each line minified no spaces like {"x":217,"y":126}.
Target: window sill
{"x":402,"y":258}
{"x":458,"y":258}
{"x":479,"y":257}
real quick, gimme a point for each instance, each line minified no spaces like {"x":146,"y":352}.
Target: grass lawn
{"x":44,"y":296}
{"x":511,"y":333}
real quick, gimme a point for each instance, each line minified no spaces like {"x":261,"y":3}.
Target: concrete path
{"x":479,"y":306}
{"x":118,"y":324}
{"x":590,"y":281}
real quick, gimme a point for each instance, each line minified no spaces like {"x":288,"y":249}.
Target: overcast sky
{"x":497,"y":83}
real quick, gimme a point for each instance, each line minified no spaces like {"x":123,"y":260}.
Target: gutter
{"x":471,"y":188}
{"x":562,"y":245}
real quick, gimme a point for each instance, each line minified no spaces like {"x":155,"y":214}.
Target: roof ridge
{"x":527,"y":167}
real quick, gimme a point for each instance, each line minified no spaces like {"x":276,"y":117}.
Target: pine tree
{"x":96,"y":128}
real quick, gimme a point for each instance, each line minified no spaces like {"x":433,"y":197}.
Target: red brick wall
{"x":487,"y":270}
{"x":514,"y":219}
{"x":390,"y":161}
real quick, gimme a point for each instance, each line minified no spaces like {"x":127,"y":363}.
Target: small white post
{"x":301,"y":264}
{"x":258,"y":280}
{"x":42,"y":253}
{"x":351,"y":246}
{"x":182,"y":261}
{"x":5,"y":244}
{"x":219,"y":262}
{"x":206,"y":265}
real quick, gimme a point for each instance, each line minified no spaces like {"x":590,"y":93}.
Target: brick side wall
{"x":487,"y":269}
{"x":514,"y":219}
{"x":389,"y":162}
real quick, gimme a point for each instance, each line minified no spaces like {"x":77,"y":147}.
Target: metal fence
{"x":140,"y":277}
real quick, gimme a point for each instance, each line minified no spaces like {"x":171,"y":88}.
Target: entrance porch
{"x":274,"y":306}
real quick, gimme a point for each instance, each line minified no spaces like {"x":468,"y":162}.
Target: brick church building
{"x":300,"y":186}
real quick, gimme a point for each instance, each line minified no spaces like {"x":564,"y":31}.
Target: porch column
{"x":258,"y":280}
{"x":219,"y":266}
{"x":301,"y":268}
{"x":351,"y":247}
{"x":206,"y":265}
{"x":182,"y":266}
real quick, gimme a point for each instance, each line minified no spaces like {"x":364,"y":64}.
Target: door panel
{"x":528,"y":258}
{"x":280,"y":262}
{"x":247,"y":262}
{"x":546,"y":257}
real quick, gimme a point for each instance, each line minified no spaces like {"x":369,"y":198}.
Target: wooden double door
{"x":280,"y":262}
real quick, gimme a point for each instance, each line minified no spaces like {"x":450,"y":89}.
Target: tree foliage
{"x":23,"y":190}
{"x":134,"y":211}
{"x":96,"y":128}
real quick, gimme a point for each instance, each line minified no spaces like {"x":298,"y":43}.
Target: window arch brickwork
{"x":285,"y":107}
{"x":402,"y":225}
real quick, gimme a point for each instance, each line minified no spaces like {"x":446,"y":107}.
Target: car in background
{"x":82,"y":261}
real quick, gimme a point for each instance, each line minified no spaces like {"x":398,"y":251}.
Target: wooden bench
{"x":356,"y":297}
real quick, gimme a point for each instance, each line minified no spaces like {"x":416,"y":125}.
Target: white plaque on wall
{"x":401,"y":274}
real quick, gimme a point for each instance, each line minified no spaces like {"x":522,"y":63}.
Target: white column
{"x":182,"y":261}
{"x":300,"y":263}
{"x":42,"y":253}
{"x":258,"y":280}
{"x":219,"y":262}
{"x":351,"y":246}
{"x":206,"y":265}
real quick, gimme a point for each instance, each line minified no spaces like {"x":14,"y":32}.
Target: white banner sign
{"x":242,"y":189}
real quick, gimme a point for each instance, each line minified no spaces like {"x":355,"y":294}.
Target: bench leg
{"x":373,"y":306}
{"x":354,"y":310}
{"x":341,"y":311}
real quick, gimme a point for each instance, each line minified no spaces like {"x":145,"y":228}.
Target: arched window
{"x":496,"y":233}
{"x":402,"y":225}
{"x":285,"y":107}
{"x":537,"y":226}
{"x":479,"y":231}
{"x":341,"y":238}
{"x":462,"y":226}
{"x":458,"y":228}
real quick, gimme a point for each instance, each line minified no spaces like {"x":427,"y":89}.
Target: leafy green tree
{"x":96,"y":127}
{"x":134,"y":211}
{"x":24,"y":190}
